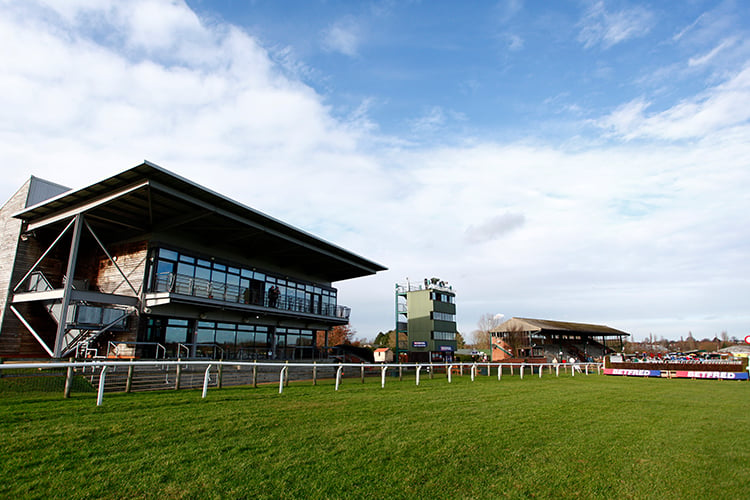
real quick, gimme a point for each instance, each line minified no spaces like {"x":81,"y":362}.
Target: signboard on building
{"x":446,"y":348}
{"x":419,"y":344}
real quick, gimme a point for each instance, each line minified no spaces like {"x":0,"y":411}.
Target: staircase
{"x":76,"y":340}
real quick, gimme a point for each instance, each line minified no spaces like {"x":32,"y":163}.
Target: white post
{"x":382,"y":376}
{"x":281,"y":379}
{"x":573,"y":369}
{"x":338,"y":376}
{"x":450,"y":369}
{"x":587,"y":368}
{"x":419,"y":368}
{"x":205,"y":381}
{"x":473,"y":370}
{"x":541,"y":369}
{"x":521,"y":370}
{"x":499,"y":371}
{"x":100,"y":394}
{"x":557,"y":370}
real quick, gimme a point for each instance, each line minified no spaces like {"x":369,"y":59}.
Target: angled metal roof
{"x":538,"y":325}
{"x":147,"y":199}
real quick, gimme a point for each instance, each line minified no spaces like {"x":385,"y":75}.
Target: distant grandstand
{"x":524,"y":338}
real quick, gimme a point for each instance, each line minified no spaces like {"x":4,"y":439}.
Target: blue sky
{"x":582,"y":161}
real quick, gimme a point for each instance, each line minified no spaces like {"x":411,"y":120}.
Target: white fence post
{"x":419,"y":368}
{"x":450,"y":369}
{"x":281,"y":379}
{"x":541,"y":369}
{"x":499,"y":371}
{"x":338,"y":376}
{"x":521,"y":370}
{"x":100,"y":394}
{"x":473,"y":371}
{"x":206,"y":378}
{"x":382,"y":376}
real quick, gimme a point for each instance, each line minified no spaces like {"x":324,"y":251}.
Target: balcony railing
{"x":197,"y":287}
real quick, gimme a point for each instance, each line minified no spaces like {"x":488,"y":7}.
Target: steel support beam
{"x":72,"y":259}
{"x":31,"y":330}
{"x":101,"y":245}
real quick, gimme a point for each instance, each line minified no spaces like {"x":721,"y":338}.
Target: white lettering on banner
{"x":727,"y":375}
{"x":631,"y":373}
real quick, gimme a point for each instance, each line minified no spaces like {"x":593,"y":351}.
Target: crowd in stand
{"x":675,"y":357}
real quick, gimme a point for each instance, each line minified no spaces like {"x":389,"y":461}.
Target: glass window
{"x":218,"y":276}
{"x":219,"y":267}
{"x":225,"y":337}
{"x":185,"y":269}
{"x":233,"y":279}
{"x":203,"y":273}
{"x":188,"y":259}
{"x":205,"y":333}
{"x":245,"y":339}
{"x":167,"y":254}
{"x":176,"y":331}
{"x":164,"y":267}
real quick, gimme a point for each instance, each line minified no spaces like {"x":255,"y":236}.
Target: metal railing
{"x":211,"y":373}
{"x":114,"y":349}
{"x":198,"y":287}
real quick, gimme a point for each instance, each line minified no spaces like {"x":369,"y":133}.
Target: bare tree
{"x":487,"y":322}
{"x":516,"y":338}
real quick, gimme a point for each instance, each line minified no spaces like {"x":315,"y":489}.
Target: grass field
{"x":568,"y":437}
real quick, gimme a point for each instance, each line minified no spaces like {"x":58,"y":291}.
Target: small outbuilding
{"x":383,"y":355}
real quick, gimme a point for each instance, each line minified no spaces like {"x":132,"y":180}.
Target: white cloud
{"x":343,"y":36}
{"x":631,"y":235}
{"x":607,"y":28}
{"x":494,"y":227}
{"x":721,"y":107}
{"x":705,"y":58}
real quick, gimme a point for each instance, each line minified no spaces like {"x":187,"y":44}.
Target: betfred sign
{"x":419,"y":344}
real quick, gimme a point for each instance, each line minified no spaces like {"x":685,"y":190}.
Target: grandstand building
{"x":149,"y":264}
{"x":521,"y":338}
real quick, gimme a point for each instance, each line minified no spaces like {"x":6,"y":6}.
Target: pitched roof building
{"x":527,"y":337}
{"x":161,"y":266}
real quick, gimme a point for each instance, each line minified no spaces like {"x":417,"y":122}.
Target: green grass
{"x":579,"y":437}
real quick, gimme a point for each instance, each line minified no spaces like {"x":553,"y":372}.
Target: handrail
{"x":214,"y":346}
{"x":199,"y":287}
{"x":181,"y":346}
{"x":159,"y":347}
{"x":39,"y":277}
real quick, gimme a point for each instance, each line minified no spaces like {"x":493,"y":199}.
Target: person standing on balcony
{"x":273,"y":296}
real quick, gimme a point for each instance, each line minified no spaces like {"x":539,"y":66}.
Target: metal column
{"x":72,"y":259}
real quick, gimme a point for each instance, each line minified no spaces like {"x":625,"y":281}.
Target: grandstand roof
{"x":550,"y":326}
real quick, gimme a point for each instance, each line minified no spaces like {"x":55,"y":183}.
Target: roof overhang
{"x":561,"y":327}
{"x":148,"y":199}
